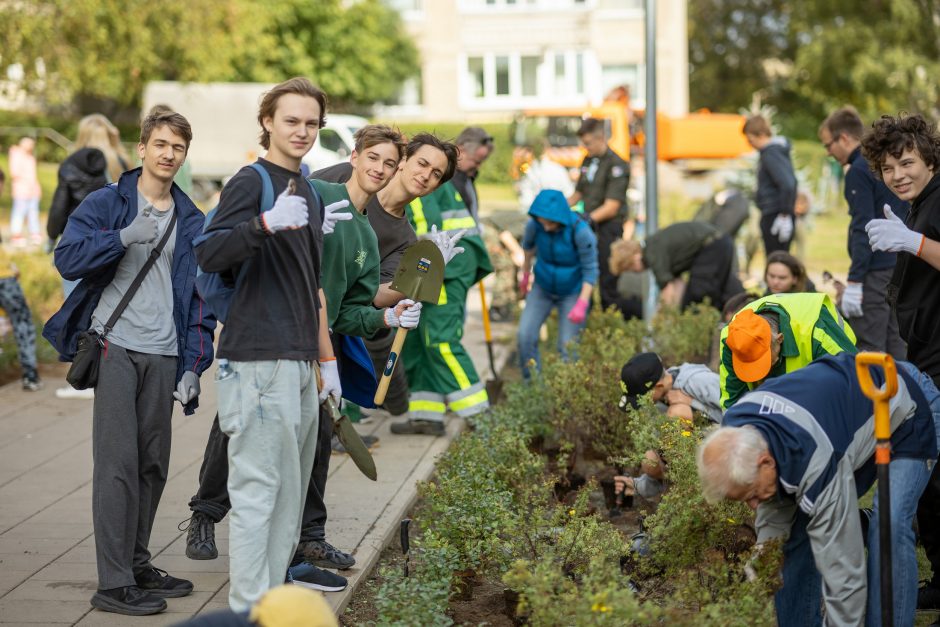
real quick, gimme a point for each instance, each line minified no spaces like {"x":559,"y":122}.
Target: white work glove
{"x":289,"y":212}
{"x":142,"y":230}
{"x":447,"y":242}
{"x":782,"y":227}
{"x":329,"y":381}
{"x":332,"y":215}
{"x":188,"y":387}
{"x":852,"y":300}
{"x":405,"y":314}
{"x":891,"y":235}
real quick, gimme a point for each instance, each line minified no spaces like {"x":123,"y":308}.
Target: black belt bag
{"x":83,"y":373}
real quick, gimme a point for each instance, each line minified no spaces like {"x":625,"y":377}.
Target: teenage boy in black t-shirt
{"x":428,"y":163}
{"x":275,"y":333}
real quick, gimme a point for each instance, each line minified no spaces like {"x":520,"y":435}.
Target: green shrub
{"x":685,"y":528}
{"x":480,"y":487}
{"x":584,"y":393}
{"x":422,"y":598}
{"x":685,"y":336}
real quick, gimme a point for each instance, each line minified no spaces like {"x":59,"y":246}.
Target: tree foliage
{"x":807,"y":57}
{"x":100,"y":54}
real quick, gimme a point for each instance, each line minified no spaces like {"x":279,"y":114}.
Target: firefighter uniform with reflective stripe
{"x":811,"y":326}
{"x":440,"y":372}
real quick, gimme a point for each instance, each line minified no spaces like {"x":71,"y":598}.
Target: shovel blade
{"x":349,"y":438}
{"x":420,"y":273}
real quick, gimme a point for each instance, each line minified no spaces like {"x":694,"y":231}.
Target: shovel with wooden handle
{"x":420,"y":276}
{"x":881,"y":398}
{"x":494,"y":386}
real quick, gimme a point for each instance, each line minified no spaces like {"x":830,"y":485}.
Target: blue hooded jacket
{"x":91,"y":249}
{"x":566,"y":258}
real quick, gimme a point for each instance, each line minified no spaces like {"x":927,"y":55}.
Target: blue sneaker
{"x":309,"y":576}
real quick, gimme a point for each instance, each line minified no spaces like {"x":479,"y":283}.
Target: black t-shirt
{"x":274,"y":312}
{"x":601,"y":178}
{"x":915,"y":287}
{"x":394,"y":234}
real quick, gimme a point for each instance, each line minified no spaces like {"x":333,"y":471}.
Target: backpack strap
{"x":267,"y":188}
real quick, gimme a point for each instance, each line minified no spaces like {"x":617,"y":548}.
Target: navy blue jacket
{"x":867,"y":195}
{"x":776,"y":180}
{"x":566,"y":258}
{"x":819,"y":428}
{"x":90,"y":250}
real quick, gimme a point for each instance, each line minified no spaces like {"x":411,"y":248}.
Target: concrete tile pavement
{"x":47,"y":559}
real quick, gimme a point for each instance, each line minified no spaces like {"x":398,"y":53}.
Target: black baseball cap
{"x":638,"y":376}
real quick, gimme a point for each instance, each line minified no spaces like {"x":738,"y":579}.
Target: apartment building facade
{"x":486,"y":59}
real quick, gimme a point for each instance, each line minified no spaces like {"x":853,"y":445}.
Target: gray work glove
{"x":188,"y":387}
{"x":446,"y":241}
{"x":142,"y":230}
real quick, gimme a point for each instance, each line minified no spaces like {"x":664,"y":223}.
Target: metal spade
{"x":419,"y":277}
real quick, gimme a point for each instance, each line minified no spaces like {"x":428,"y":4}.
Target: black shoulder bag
{"x":83,"y":373}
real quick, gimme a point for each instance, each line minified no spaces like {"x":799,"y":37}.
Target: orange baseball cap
{"x":749,"y":341}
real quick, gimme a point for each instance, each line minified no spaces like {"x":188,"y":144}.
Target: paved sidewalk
{"x":47,"y":558}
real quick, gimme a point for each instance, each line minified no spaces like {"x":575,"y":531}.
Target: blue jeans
{"x":799,"y":601}
{"x":908,"y":479}
{"x":538,"y":306}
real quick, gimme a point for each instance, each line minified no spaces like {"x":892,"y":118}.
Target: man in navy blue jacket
{"x":863,"y":302}
{"x":799,"y":450}
{"x":154,"y":353}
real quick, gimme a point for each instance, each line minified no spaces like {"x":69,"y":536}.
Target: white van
{"x":335,"y":141}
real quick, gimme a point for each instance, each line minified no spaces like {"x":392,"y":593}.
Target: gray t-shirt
{"x":702,"y":385}
{"x":147,"y":324}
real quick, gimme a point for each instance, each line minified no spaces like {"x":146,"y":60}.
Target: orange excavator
{"x":696,"y":139}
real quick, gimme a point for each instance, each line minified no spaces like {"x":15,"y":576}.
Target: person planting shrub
{"x":698,"y":248}
{"x":678,"y":391}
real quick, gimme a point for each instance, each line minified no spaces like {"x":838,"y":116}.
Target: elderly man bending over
{"x":799,"y":450}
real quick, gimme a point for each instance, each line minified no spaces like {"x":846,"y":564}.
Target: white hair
{"x":732,"y":460}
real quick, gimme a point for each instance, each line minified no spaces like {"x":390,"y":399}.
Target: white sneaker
{"x":70,"y":392}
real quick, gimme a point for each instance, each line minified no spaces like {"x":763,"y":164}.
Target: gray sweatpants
{"x":270,"y":413}
{"x":877,"y":328}
{"x":131,"y":449}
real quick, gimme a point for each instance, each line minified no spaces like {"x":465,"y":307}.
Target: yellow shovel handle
{"x":880,"y":396}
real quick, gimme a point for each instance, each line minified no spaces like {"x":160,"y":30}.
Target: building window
{"x":529,"y":67}
{"x":475,"y":70}
{"x":614,"y":76}
{"x":579,"y":73}
{"x":502,"y":76}
{"x":405,"y":5}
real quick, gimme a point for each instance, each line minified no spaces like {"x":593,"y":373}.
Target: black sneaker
{"x":32,"y":384}
{"x":130,"y":600}
{"x":418,"y":427}
{"x":200,"y":539}
{"x":309,"y":576}
{"x":323,"y":554}
{"x":928,"y":597}
{"x":161,"y":584}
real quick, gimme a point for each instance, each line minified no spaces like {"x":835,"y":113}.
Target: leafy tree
{"x":357,"y":52}
{"x":730,"y":42}
{"x":808,"y":57}
{"x":98,"y":55}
